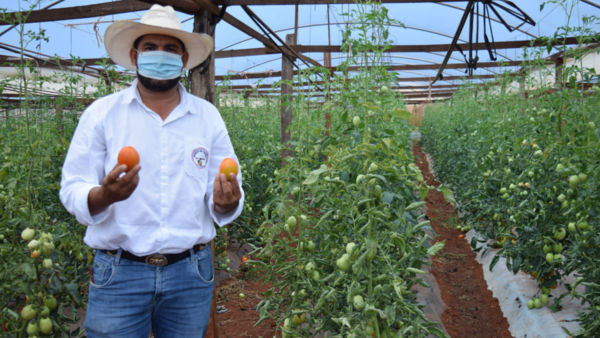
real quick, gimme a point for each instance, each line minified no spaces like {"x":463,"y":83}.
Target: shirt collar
{"x":132,"y":93}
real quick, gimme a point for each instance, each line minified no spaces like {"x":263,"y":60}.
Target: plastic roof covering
{"x":428,"y":23}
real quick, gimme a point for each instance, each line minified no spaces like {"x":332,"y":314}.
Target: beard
{"x":158,"y":85}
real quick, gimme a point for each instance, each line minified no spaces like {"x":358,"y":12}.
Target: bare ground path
{"x":472,"y":311}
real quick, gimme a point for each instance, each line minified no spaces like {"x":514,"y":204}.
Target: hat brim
{"x":119,"y":38}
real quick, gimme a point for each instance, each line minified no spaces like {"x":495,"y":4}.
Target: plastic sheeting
{"x":514,"y":291}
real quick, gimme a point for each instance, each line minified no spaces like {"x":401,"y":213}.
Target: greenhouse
{"x":296,"y":168}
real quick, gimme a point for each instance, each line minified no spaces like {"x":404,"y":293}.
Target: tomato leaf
{"x":448,"y":196}
{"x":423,"y":191}
{"x":414,"y":205}
{"x":401,"y":114}
{"x":435,"y":248}
{"x":29,"y":270}
{"x":314,"y":175}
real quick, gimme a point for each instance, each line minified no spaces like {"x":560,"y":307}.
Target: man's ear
{"x":186,"y":57}
{"x":132,"y":56}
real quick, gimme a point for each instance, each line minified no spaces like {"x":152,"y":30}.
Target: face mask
{"x":159,"y":65}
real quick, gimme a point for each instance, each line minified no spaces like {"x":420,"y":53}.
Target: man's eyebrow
{"x":173,"y":45}
{"x":149,"y":44}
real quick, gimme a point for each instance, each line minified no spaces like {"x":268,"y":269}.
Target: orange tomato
{"x":35,"y":254}
{"x":228,"y":166}
{"x":534,"y":274}
{"x":554,"y":286}
{"x":461,"y":236}
{"x":244,"y":258}
{"x":527,"y":185}
{"x":129,"y":157}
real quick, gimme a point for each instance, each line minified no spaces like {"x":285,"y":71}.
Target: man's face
{"x":156,"y":42}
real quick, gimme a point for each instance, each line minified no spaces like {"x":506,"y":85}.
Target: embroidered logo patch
{"x":200,"y":157}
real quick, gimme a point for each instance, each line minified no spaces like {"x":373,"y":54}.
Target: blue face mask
{"x":159,"y":65}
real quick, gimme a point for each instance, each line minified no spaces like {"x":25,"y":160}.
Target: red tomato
{"x":461,"y":236}
{"x":228,"y":166}
{"x":129,"y":157}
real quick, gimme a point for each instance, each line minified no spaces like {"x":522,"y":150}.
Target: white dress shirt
{"x":172,"y":207}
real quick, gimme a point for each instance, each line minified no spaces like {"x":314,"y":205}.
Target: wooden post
{"x":203,"y":76}
{"x":287,"y":74}
{"x":296,"y":27}
{"x":327,"y":63}
{"x":203,"y":86}
{"x":558,"y":73}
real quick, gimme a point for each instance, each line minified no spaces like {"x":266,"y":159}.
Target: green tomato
{"x":512,"y":187}
{"x":561,"y":198}
{"x":373,"y":167}
{"x":79,"y":257}
{"x":530,"y":304}
{"x":546,"y":290}
{"x":47,"y":263}
{"x":557,"y":257}
{"x":343,"y":262}
{"x":28,"y":312}
{"x":560,"y":234}
{"x":309,"y":267}
{"x":44,"y":312}
{"x":28,"y":234}
{"x":558,"y":248}
{"x":45,"y":325}
{"x":537,"y":303}
{"x":544,"y":299}
{"x":50,"y":302}
{"x":583,"y":225}
{"x":572,"y":227}
{"x":369,"y":331}
{"x":384,"y":89}
{"x":502,"y":191}
{"x":349,"y":248}
{"x":291,"y":221}
{"x":573,"y":181}
{"x":356,"y":121}
{"x":530,"y":174}
{"x":582,"y":177}
{"x":358,"y":302}
{"x":360,"y":178}
{"x":550,"y":257}
{"x":32,"y":328}
{"x":316,"y":276}
{"x":547,"y":248}
{"x":591,"y":125}
{"x":311,"y":246}
{"x":564,"y":204}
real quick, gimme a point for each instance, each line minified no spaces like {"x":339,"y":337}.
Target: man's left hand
{"x":226,"y":195}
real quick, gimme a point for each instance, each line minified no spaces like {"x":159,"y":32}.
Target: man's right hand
{"x":113,"y":188}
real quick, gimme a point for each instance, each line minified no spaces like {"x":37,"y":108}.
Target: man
{"x":150,"y":226}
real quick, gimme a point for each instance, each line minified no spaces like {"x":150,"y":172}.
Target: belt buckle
{"x":157,"y":260}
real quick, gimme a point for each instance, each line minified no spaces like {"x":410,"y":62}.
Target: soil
{"x":241,"y":313}
{"x":472,"y":311}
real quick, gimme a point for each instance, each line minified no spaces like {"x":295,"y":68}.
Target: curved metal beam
{"x":493,"y":19}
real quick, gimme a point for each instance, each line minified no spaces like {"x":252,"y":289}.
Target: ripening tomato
{"x":244,"y":258}
{"x":228,"y":166}
{"x":129,"y":157}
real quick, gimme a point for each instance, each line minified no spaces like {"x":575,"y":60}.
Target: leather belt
{"x":155,"y":259}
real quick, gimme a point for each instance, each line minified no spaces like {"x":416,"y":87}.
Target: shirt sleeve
{"x":221,"y":149}
{"x":84,"y":167}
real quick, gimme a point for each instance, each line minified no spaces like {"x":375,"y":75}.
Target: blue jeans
{"x":128,"y":297}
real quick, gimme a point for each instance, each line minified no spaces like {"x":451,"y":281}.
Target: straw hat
{"x":120,"y":35}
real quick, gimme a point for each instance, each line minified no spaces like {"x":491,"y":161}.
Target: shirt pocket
{"x":196,"y":156}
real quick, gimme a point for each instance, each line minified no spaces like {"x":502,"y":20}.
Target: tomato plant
{"x":525,"y":165}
